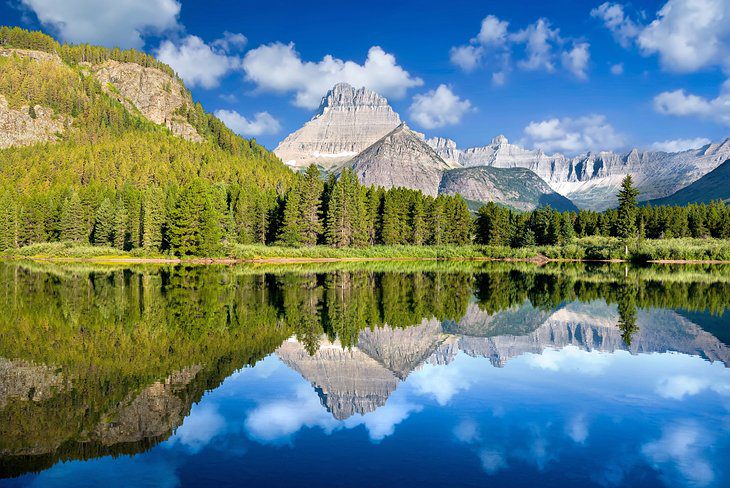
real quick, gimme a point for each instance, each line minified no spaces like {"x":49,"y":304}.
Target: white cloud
{"x":492,"y":460}
{"x":440,"y":382}
{"x":381,"y":422}
{"x":118,"y":23}
{"x":576,"y":60}
{"x":578,"y":429}
{"x":438,"y":108}
{"x":681,"y":103}
{"x":467,"y":431}
{"x":617,"y":69}
{"x":681,"y":449}
{"x":466,"y":57}
{"x":689,"y":35}
{"x":538,"y":39}
{"x":262,"y":123}
{"x":197,"y":63}
{"x":679,"y":145}
{"x":199,"y":428}
{"x":624,"y":29}
{"x":279,"y":68}
{"x":572,"y":136}
{"x":231,"y":41}
{"x":541,"y":44}
{"x":493,"y":31}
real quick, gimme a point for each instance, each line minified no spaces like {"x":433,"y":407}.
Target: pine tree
{"x":417,"y":221}
{"x":311,"y":201}
{"x":120,"y":225}
{"x":73,"y":226}
{"x":211,"y":230}
{"x":185,"y":219}
{"x":339,"y":225}
{"x":9,"y":222}
{"x":437,"y":221}
{"x":153,"y":218}
{"x":627,"y":208}
{"x":391,"y":233}
{"x":104,"y":223}
{"x":460,"y":222}
{"x":291,"y":231}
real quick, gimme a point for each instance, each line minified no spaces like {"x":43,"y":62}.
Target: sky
{"x":562,"y":76}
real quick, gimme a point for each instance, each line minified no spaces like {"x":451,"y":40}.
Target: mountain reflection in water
{"x":458,"y":374}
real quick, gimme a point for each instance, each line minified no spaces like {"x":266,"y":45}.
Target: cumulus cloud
{"x":262,"y":123}
{"x":576,"y":60}
{"x":492,"y":460}
{"x":538,"y":46}
{"x":678,"y":145}
{"x":118,"y":23}
{"x":231,"y":41}
{"x":279,"y":68}
{"x":681,"y":103}
{"x":617,"y":69}
{"x":438,"y":108}
{"x":381,"y":422}
{"x":467,"y":431}
{"x":679,"y":455}
{"x":578,"y":429}
{"x":442,"y":383}
{"x":624,"y":29}
{"x":687,"y":35}
{"x":198,"y":63}
{"x":201,"y":426}
{"x":572,"y":136}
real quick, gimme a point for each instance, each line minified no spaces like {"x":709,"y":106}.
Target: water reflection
{"x":448,"y":374}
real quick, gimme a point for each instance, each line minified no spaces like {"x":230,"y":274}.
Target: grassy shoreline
{"x":585,"y":249}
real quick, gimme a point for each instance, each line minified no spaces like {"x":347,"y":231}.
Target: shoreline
{"x":539,"y":260}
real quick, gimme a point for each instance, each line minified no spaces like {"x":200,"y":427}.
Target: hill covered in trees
{"x":715,"y":185}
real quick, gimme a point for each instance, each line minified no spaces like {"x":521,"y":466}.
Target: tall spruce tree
{"x":120,"y":225}
{"x":153,"y":218}
{"x":104,"y":223}
{"x":291,"y":230}
{"x":73,"y":225}
{"x":627,"y":209}
{"x":311,"y":189}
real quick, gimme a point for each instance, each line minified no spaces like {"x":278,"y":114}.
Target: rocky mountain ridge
{"x":592,"y":180}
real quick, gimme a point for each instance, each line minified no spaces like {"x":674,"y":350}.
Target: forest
{"x":116,"y":180}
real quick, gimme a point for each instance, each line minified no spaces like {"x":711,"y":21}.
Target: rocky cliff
{"x":26,"y":126}
{"x":518,"y":188}
{"x":592,"y":180}
{"x":154,"y":94}
{"x":348,"y":121}
{"x":400,"y":159}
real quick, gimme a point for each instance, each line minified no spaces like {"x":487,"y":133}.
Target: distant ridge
{"x":715,"y":185}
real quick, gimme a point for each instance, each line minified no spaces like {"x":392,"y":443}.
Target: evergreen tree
{"x":627,"y":208}
{"x":153,"y":218}
{"x":311,"y":201}
{"x":9,"y":221}
{"x":120,"y":225}
{"x":291,"y":231}
{"x":104,"y":223}
{"x":437,"y":221}
{"x":460,"y":222}
{"x":418,"y":221}
{"x":73,"y":227}
{"x":186,"y":219}
{"x":341,"y":216}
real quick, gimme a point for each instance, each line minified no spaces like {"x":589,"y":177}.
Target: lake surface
{"x":430,"y":374}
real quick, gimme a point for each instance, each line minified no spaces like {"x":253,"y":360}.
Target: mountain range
{"x":356,"y":128}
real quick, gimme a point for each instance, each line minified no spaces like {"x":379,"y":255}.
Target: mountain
{"x":518,"y":188}
{"x":715,"y":185}
{"x":400,"y":159}
{"x":348,"y":121}
{"x":592,"y":180}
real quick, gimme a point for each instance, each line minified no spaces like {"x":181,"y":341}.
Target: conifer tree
{"x":417,"y":221}
{"x":437,"y":221}
{"x":104,"y":223}
{"x":120,"y":224}
{"x":627,"y":208}
{"x":339,"y":230}
{"x":153,"y":218}
{"x":460,"y":222}
{"x":73,"y":227}
{"x":311,"y":201}
{"x":291,"y":231}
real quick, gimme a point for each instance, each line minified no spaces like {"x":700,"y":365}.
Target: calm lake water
{"x":431,"y":374}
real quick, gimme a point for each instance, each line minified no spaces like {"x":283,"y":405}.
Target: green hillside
{"x":108,"y":158}
{"x":715,"y":185}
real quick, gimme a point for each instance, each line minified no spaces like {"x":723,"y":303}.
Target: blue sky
{"x":565,"y":76}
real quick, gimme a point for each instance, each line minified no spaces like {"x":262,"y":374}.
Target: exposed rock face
{"x":400,"y":159}
{"x":153,"y":93}
{"x":519,"y":188}
{"x":20,"y":128}
{"x":592,"y":180}
{"x":154,"y":412}
{"x":27,"y":381}
{"x":402,"y":350}
{"x":348,"y":381}
{"x":446,"y":148}
{"x":30,"y":54}
{"x":348,"y":121}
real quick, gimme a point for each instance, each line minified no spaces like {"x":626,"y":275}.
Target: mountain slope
{"x":715,"y":185}
{"x":592,"y":180}
{"x":519,"y":188}
{"x":348,"y":121}
{"x":400,"y":159}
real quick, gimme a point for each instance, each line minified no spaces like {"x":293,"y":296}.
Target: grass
{"x":589,"y":248}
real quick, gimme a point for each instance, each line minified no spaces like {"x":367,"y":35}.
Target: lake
{"x":365,"y":374}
